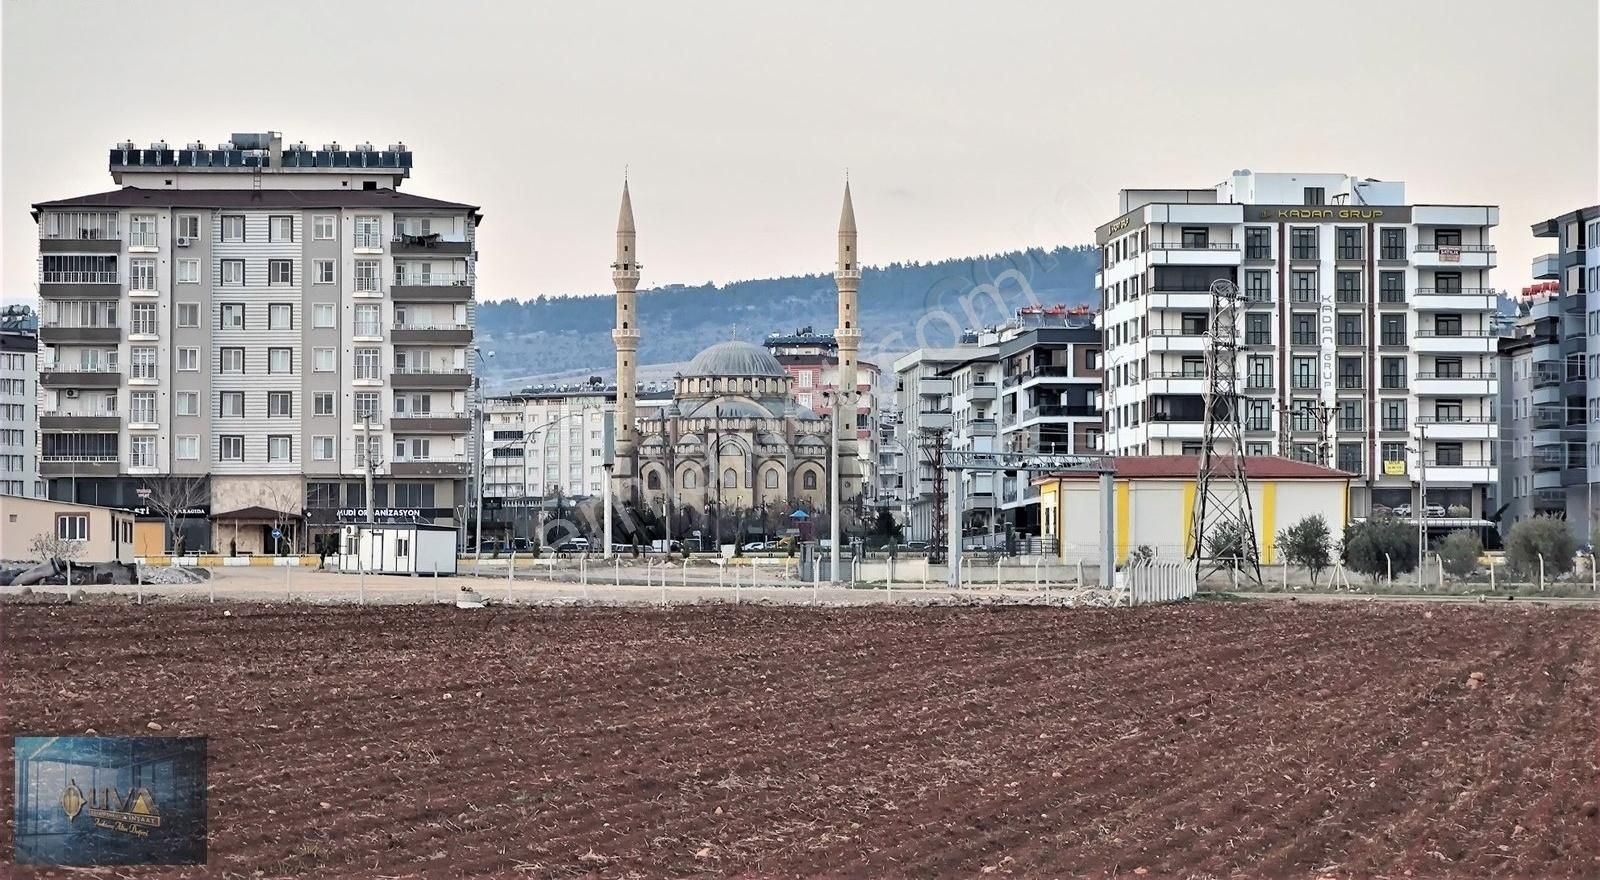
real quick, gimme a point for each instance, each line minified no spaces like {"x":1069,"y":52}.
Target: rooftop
{"x":1180,"y":467}
{"x":265,"y":199}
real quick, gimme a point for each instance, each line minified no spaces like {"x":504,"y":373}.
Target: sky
{"x":966,"y":128}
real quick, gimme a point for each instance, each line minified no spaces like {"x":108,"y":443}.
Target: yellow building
{"x":1155,"y":503}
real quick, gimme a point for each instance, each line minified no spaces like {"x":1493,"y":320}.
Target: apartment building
{"x":1532,"y":480}
{"x":1565,"y":430}
{"x":1367,"y":333}
{"x":265,"y":320}
{"x":812,"y":360}
{"x":926,"y":397}
{"x":19,"y":411}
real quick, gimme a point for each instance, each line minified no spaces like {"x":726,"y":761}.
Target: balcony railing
{"x":1455,"y":420}
{"x":80,"y":368}
{"x":430,"y":279}
{"x":79,"y":457}
{"x":442,"y":414}
{"x":429,"y":459}
{"x":141,"y":239}
{"x":1053,"y":412}
{"x":370,"y":240}
{"x":1490,"y":375}
{"x":88,"y":413}
{"x":59,"y":277}
{"x":1182,"y":374}
{"x":1458,"y":462}
{"x":449,"y":326}
{"x":1459,"y":334}
{"x":1194,"y":246}
{"x":1194,"y":334}
{"x":1454,"y":291}
{"x":436,"y":371}
{"x":1463,"y":248}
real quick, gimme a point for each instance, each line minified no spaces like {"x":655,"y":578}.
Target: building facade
{"x":1531,"y":479}
{"x":19,"y":413}
{"x":263,"y":320}
{"x":812,"y":361}
{"x":1566,"y":396}
{"x":1367,"y":333}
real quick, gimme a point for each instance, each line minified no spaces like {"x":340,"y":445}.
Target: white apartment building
{"x":267,"y":319}
{"x":1367,"y":334}
{"x":19,"y":416}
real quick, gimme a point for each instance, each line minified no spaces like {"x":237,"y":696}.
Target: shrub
{"x":1227,"y":546}
{"x":1370,"y":547}
{"x":1459,"y":552}
{"x":1142,"y":554}
{"x":1308,"y":544}
{"x":1545,"y":536}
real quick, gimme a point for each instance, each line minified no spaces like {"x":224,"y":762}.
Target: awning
{"x":255,"y":514}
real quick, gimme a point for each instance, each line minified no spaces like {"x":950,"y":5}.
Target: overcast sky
{"x":967,"y":128}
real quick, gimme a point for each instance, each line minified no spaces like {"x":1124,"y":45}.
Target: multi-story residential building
{"x":812,"y":360}
{"x":1367,"y":332}
{"x":19,"y":412}
{"x":1049,"y":396}
{"x":267,"y":320}
{"x":1532,"y":478}
{"x":1567,"y":367}
{"x":925,"y":397}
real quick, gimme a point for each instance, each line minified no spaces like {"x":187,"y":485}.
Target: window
{"x":808,"y":480}
{"x":1190,"y":447}
{"x":1394,"y":415}
{"x":1347,"y":286}
{"x":143,"y":362}
{"x":1255,"y":286}
{"x":1303,"y":287}
{"x":143,"y":319}
{"x":188,"y":403}
{"x":1303,"y":330}
{"x":1257,"y":330}
{"x":1304,"y":371}
{"x":322,"y":360}
{"x":366,"y":404}
{"x":1350,"y":458}
{"x":278,"y":448}
{"x":368,"y":232}
{"x":188,"y":226}
{"x":187,"y":447}
{"x":72,"y":526}
{"x":1194,"y":323}
{"x":1350,"y":373}
{"x":1348,"y":243}
{"x":280,"y":272}
{"x":366,"y":275}
{"x":1251,"y":450}
{"x":1349,"y":329}
{"x":323,"y":315}
{"x":325,"y":273}
{"x":422,"y":404}
{"x":413,"y":495}
{"x":1448,"y":368}
{"x":1392,"y":451}
{"x":805,"y":378}
{"x":230,"y":447}
{"x":232,"y":227}
{"x":188,"y":314}
{"x":1447,"y":410}
{"x":1196,"y":237}
{"x":419,"y":448}
{"x":230,"y":404}
{"x":142,"y":451}
{"x":652,"y":480}
{"x":280,"y":404}
{"x":142,"y":407}
{"x":368,"y":321}
{"x":322,"y":448}
{"x":1303,"y":416}
{"x":1303,"y":243}
{"x":230,"y":360}
{"x":322,"y":227}
{"x":142,"y":230}
{"x":1391,"y":244}
{"x":1315,"y":195}
{"x":1257,"y":415}
{"x":1447,"y":238}
{"x":1392,"y":330}
{"x":1447,"y":325}
{"x":1447,"y":282}
{"x":322,"y":403}
{"x":1448,"y":454}
{"x":280,"y":316}
{"x":280,"y":228}
{"x":1391,"y":287}
{"x":1257,"y":243}
{"x":188,"y":359}
{"x":367,"y":363}
{"x":188,"y":271}
{"x":141,"y":274}
{"x":231,"y":317}
{"x":280,"y":360}
{"x":233,"y":273}
{"x":1393,"y":373}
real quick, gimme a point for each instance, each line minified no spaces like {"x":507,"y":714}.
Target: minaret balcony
{"x":847,"y":273}
{"x":620,"y":274}
{"x":620,"y":336}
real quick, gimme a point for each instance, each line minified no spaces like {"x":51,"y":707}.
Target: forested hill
{"x":903,"y":305}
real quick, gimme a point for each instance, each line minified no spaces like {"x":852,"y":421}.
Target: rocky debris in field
{"x":1474,"y":680}
{"x":154,"y":725}
{"x":172,"y":574}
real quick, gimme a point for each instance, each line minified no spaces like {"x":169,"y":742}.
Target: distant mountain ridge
{"x":903,"y":306}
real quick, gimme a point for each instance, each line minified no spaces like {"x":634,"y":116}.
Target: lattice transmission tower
{"x":1223,"y":534}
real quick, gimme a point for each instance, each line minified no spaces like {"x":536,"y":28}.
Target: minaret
{"x":847,"y":275}
{"x":625,"y":277}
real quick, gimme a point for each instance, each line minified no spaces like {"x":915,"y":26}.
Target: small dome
{"x":809,"y":441}
{"x":772,"y":440}
{"x":730,"y":408}
{"x":734,"y":358}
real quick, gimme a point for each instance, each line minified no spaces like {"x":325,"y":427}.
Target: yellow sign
{"x":1394,"y":468}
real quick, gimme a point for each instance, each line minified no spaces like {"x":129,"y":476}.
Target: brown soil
{"x":1214,"y":740}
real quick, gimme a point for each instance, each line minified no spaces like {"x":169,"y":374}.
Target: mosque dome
{"x":734,"y":358}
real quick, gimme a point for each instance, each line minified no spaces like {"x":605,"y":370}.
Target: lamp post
{"x":835,"y":402}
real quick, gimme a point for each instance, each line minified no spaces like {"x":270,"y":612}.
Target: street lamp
{"x":834,"y":405}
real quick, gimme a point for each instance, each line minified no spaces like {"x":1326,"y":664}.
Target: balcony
{"x":432,"y":287}
{"x":1179,"y":299}
{"x":1059,"y":412}
{"x":61,"y":334}
{"x":1162,"y":429}
{"x":428,"y":246}
{"x":1455,"y":384}
{"x":80,"y":285}
{"x":430,"y":423}
{"x":1182,"y":382}
{"x":935,"y":387}
{"x":1450,"y":256}
{"x":1546,"y":373}
{"x":433,"y":466}
{"x":981,"y":391}
{"x":83,"y":420}
{"x":1463,"y":342}
{"x":982,"y":427}
{"x":1047,"y":371}
{"x":1436,"y":427}
{"x":64,"y":245}
{"x":453,"y":378}
{"x":1178,"y":340}
{"x":70,"y":376}
{"x":1547,"y":267}
{"x":1459,"y":471}
{"x":1460,"y":299}
{"x":935,"y":419}
{"x":368,"y":243}
{"x":79,"y":465}
{"x":1195,"y":253}
{"x":431,"y":334}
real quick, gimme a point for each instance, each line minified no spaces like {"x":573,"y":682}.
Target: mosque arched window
{"x":730,"y":479}
{"x":809,"y":480}
{"x":653,"y":480}
{"x":689,"y":480}
{"x":772,"y":479}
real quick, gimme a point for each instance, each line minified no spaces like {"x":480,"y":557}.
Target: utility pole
{"x":606,"y":532}
{"x":477,"y":467}
{"x":1421,"y":510}
{"x":833,"y":489}
{"x":1222,"y":484}
{"x":366,"y":454}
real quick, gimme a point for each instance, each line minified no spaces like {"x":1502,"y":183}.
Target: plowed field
{"x":1208,"y":740}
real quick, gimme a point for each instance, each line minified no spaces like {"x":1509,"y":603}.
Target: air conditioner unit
{"x":196,"y":145}
{"x":332,"y":148}
{"x":363,"y":148}
{"x":70,"y":392}
{"x":182,"y":241}
{"x":297,"y":148}
{"x":159,"y":145}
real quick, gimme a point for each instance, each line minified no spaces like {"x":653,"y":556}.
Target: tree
{"x":1308,"y":544}
{"x":1372,"y":546}
{"x":1545,"y":536}
{"x":284,"y":500}
{"x":172,"y":498}
{"x":1459,"y":552}
{"x":1142,"y":554}
{"x":1226,"y":545}
{"x":48,"y":547}
{"x":885,"y":530}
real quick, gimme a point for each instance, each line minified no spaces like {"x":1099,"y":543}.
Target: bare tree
{"x":280,"y":497}
{"x":48,"y":547}
{"x":172,"y":498}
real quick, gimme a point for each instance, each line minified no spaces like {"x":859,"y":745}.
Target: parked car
{"x":1433,"y":510}
{"x":573,"y":545}
{"x":1403,"y":510}
{"x":755,"y":546}
{"x":915,"y":546}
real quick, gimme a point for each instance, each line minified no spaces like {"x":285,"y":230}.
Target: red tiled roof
{"x":1175,"y":467}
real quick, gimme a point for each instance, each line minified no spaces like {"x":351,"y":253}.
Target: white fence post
{"x":1594,"y":579}
{"x":1541,"y":572}
{"x":1080,"y":574}
{"x":1388,"y":565}
{"x":1491,"y":576}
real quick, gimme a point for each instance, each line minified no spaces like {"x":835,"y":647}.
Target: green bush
{"x":1371,"y":546}
{"x":1545,"y":536}
{"x":1459,"y":552}
{"x":1308,"y":544}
